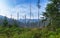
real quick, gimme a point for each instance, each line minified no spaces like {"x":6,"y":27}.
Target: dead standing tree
{"x":38,"y":5}
{"x":11,"y":16}
{"x":30,"y":13}
{"x":18,"y":16}
{"x":25,"y":20}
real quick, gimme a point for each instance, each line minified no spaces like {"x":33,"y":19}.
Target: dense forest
{"x":51,"y":30}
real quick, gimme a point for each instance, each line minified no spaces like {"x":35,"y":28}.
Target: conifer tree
{"x":5,"y":22}
{"x":53,"y":13}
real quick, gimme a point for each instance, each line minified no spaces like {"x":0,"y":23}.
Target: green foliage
{"x":51,"y":31}
{"x":5,"y":22}
{"x":53,"y":13}
{"x":15,"y":32}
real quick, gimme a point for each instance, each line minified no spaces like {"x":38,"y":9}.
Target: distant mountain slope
{"x":23,"y":23}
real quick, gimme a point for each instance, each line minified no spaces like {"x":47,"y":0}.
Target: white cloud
{"x":23,"y":9}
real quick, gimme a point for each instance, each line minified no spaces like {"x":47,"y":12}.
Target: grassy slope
{"x":28,"y":33}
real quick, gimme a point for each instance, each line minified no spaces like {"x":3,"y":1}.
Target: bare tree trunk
{"x":30,"y":13}
{"x":11,"y":16}
{"x":38,"y":18}
{"x":18,"y":16}
{"x":25,"y":21}
{"x":38,"y":4}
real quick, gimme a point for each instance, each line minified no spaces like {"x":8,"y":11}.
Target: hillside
{"x":31,"y":23}
{"x":15,"y":32}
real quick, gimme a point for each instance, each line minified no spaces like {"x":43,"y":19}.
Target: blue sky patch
{"x":22,"y":6}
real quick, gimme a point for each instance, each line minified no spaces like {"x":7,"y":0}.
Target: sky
{"x":8,"y":7}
